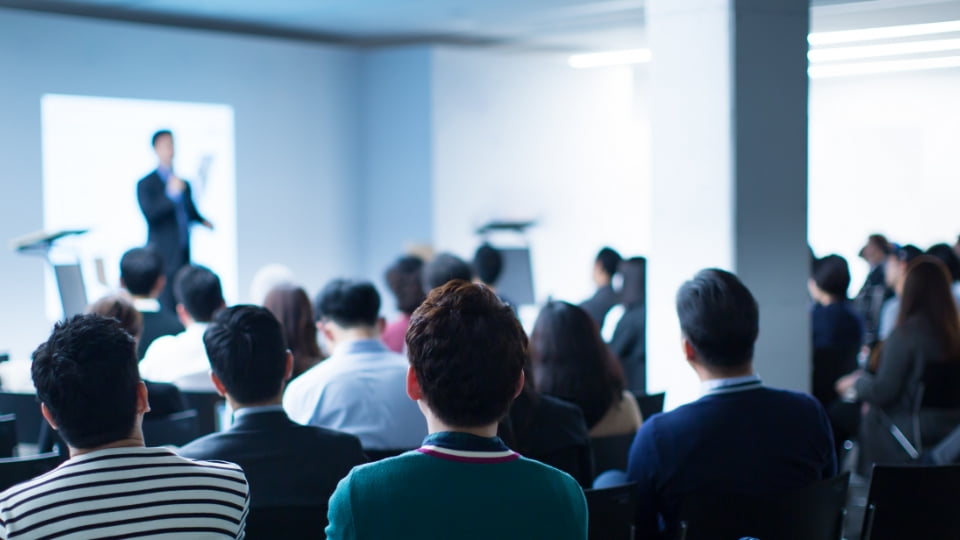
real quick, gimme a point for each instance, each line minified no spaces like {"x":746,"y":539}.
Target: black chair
{"x":912,"y":501}
{"x":377,"y":455}
{"x":176,"y":429}
{"x":815,"y":512}
{"x":20,"y":469}
{"x":611,"y":452}
{"x":611,"y":512}
{"x":576,"y":460}
{"x":650,"y":404}
{"x":937,"y":393}
{"x":27,"y":409}
{"x":283,"y":522}
{"x":205,"y":403}
{"x":8,"y":435}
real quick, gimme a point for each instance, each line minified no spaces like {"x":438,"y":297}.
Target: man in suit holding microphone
{"x":167,"y":204}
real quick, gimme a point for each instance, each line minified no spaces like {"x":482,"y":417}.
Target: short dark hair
{"x":158,"y":134}
{"x":404,"y":277}
{"x":140,"y":268}
{"x":443,"y":268}
{"x":720,"y":318}
{"x":948,"y":257}
{"x":86,"y":374}
{"x":247,"y":353}
{"x":198,"y":289}
{"x":908,"y":253}
{"x":467,"y":350}
{"x":488,"y":263}
{"x":609,"y":260}
{"x":832,"y":275}
{"x":349,"y":303}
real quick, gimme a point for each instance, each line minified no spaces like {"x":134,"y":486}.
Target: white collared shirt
{"x":146,"y":305}
{"x":730,"y":385}
{"x":180,"y":359}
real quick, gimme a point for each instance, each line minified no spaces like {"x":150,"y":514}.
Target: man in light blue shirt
{"x":361,"y":388}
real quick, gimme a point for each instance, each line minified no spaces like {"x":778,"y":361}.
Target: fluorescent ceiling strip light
{"x":611,"y":58}
{"x":886,"y":32}
{"x":875,"y":51}
{"x":870,"y":68}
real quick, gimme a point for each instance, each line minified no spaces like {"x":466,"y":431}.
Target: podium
{"x":69,"y":277}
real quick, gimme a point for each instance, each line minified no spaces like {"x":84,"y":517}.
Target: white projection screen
{"x":95,"y":149}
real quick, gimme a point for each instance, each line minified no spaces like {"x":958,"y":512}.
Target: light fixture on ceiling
{"x":887,"y":49}
{"x":889,"y":66}
{"x":885,"y":32}
{"x":610,"y":58}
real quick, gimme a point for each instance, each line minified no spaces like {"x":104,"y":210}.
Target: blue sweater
{"x":457,"y":486}
{"x":754,"y":441}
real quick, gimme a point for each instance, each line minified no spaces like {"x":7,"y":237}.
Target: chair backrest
{"x":27,"y":409}
{"x":815,"y":512}
{"x":650,"y":404}
{"x":913,"y":501}
{"x":20,"y":469}
{"x":940,"y":383}
{"x":176,"y":429}
{"x":575,"y":460}
{"x":205,"y":403}
{"x":286,"y":522}
{"x":8,"y":435}
{"x":610,"y":453}
{"x":611,"y":512}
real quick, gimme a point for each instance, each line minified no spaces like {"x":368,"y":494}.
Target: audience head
{"x":467,"y":352}
{"x":488,"y":264}
{"x":443,"y":268}
{"x":291,"y":306}
{"x":198,"y":293}
{"x":141,"y":272}
{"x":947,"y":256}
{"x":830,"y":279}
{"x":634,"y":274}
{"x":249,"y":360}
{"x":118,"y":307}
{"x":927,"y":296}
{"x":876,"y":250}
{"x":605,"y":266}
{"x":895,"y":269}
{"x":719,"y":319}
{"x":87,"y":379}
{"x":266,"y":278}
{"x":349,"y":304}
{"x":162,"y":142}
{"x":405,"y":279}
{"x":571,"y":361}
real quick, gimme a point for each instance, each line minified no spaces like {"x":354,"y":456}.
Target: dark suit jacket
{"x":163,"y":230}
{"x":600,"y":303}
{"x":156,"y":324}
{"x":629,"y":343}
{"x":286,"y":464}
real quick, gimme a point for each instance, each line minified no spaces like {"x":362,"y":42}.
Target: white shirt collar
{"x":150,"y":305}
{"x":730,"y":385}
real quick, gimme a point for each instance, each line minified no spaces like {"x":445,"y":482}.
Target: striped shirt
{"x":128,"y":492}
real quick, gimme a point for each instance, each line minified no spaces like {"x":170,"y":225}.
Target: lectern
{"x":69,"y":277}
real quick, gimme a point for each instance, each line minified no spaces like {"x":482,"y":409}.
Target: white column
{"x":729,"y":161}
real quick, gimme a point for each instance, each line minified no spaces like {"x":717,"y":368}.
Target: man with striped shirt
{"x":113,"y":486}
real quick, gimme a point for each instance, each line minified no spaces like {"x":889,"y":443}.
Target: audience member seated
{"x":291,"y":306}
{"x":837,"y":328}
{"x":443,"y":268}
{"x":360,"y":388}
{"x":181,"y":359}
{"x":950,"y":259}
{"x":467,"y":353}
{"x":487,"y":266}
{"x":113,"y":486}
{"x":570,"y":361}
{"x":895,"y":271}
{"x":141,"y":274}
{"x":740,"y":437}
{"x":927,"y":332}
{"x":869,"y":301}
{"x":405,"y":280}
{"x":604,"y":268}
{"x":629,"y":342}
{"x":286,"y":464}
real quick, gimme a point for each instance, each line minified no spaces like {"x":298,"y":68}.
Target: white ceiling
{"x":555,"y":24}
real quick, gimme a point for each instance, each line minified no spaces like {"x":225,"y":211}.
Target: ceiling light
{"x":886,"y":32}
{"x":870,"y":68}
{"x":611,"y":58}
{"x":891,"y":49}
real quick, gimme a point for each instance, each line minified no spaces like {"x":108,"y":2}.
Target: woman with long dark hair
{"x":927,"y":332}
{"x":291,"y":306}
{"x":570,"y":361}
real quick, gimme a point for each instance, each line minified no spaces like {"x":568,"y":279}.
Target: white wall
{"x":297,"y":133}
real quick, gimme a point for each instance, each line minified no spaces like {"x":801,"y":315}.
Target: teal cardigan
{"x":457,"y":486}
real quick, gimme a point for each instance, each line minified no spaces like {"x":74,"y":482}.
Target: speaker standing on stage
{"x":167,"y":204}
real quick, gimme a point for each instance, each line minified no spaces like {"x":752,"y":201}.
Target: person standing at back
{"x":604,"y":268}
{"x":467,"y":352}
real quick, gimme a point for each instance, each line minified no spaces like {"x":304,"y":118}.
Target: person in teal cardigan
{"x":466,"y":352}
